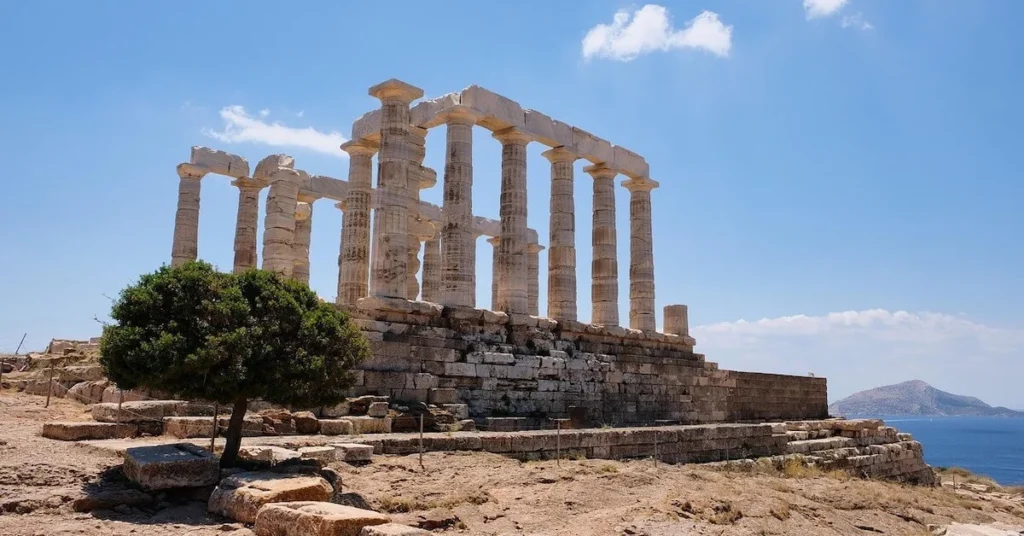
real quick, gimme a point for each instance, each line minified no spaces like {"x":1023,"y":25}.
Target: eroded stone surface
{"x":180,"y":465}
{"x":314,"y":519}
{"x":240,"y":496}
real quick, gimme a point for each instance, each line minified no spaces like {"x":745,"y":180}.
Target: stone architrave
{"x":185,"y":247}
{"x":246,"y":222}
{"x":279,"y":222}
{"x":604,"y":287}
{"x":562,"y":252}
{"x":641,"y":254}
{"x":432,"y":266}
{"x":303,"y":230}
{"x":458,"y":244}
{"x":533,"y":278}
{"x":354,"y":257}
{"x":390,"y":254}
{"x":493,"y":241}
{"x":512,"y":273}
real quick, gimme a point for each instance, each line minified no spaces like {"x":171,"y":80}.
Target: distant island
{"x":915,"y":397}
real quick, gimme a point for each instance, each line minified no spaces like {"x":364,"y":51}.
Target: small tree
{"x":200,"y":334}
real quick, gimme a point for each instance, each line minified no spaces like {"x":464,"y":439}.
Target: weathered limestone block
{"x":306,"y":422}
{"x":589,"y":146}
{"x":87,"y":392}
{"x":546,"y":130}
{"x":271,"y":455}
{"x":334,"y":427}
{"x":188,"y":427}
{"x":353,"y":452}
{"x":269,"y":165}
{"x":240,"y":496}
{"x":252,"y":425}
{"x":219,"y":162}
{"x":76,"y":431}
{"x":378,"y":410}
{"x":80,"y":373}
{"x":443,"y":396}
{"x":677,"y":320}
{"x":181,"y":465}
{"x":393,"y":529}
{"x":138,"y":411}
{"x":324,"y":454}
{"x":629,"y":163}
{"x":314,"y":519}
{"x":367,"y":127}
{"x":370,"y":425}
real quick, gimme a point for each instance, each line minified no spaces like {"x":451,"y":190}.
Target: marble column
{"x":420,"y":178}
{"x":641,"y":254}
{"x":604,"y":266}
{"x":354,"y":255}
{"x":562,"y":255}
{"x":458,"y":245}
{"x":303,"y":230}
{"x":495,"y":262}
{"x":279,"y":222}
{"x":533,"y":279}
{"x":246,"y":222}
{"x":432,"y":267}
{"x":420,"y":231}
{"x":512,"y":243}
{"x":390,"y":253}
{"x":185,"y":246}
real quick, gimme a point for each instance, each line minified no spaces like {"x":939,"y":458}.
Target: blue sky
{"x":840,"y":179}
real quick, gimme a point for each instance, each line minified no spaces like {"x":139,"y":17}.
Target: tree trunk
{"x":233,"y":435}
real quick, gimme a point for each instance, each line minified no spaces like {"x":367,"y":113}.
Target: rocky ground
{"x":43,"y":484}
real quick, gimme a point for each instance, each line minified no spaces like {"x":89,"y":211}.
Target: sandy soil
{"x":475,"y":493}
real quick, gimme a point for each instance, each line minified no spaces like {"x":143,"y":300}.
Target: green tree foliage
{"x":197,"y":333}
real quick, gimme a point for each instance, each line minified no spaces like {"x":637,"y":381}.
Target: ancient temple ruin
{"x":431,"y":341}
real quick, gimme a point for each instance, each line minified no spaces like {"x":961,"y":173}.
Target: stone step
{"x":76,"y":431}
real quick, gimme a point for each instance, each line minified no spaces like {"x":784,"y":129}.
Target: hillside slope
{"x":915,"y":397}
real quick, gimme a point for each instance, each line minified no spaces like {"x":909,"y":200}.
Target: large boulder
{"x":77,"y":431}
{"x":314,"y":519}
{"x":240,"y":496}
{"x":180,"y":465}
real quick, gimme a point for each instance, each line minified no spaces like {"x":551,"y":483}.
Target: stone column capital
{"x":460,"y":115}
{"x":640,"y":184}
{"x":494,"y":240}
{"x":188,"y":171}
{"x":534,"y":248}
{"x":600,"y":171}
{"x":395,"y":90}
{"x":361,"y":147}
{"x":560,"y":154}
{"x":249,"y":183}
{"x":512,"y":136}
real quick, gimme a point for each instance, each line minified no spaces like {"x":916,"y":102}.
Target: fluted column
{"x":604,"y":266}
{"x":303,"y":231}
{"x":246,"y":222}
{"x":512,"y":245}
{"x":458,"y":245}
{"x":562,"y":255}
{"x":279,"y":222}
{"x":390,"y":253}
{"x":641,"y":254}
{"x":185,"y":246}
{"x":432,"y":267}
{"x":420,"y":232}
{"x":495,"y":262}
{"x":420,"y":178}
{"x":354,"y":256}
{"x":533,"y":279}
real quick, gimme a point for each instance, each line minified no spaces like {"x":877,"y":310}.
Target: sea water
{"x":991,"y":446}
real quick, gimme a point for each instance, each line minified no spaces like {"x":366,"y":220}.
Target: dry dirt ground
{"x":474,"y":493}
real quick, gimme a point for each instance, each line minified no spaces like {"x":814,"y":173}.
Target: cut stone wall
{"x":525,"y":366}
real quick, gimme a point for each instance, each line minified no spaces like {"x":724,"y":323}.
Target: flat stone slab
{"x":240,"y":496}
{"x":314,"y":519}
{"x":393,"y":529}
{"x":333,"y":427}
{"x":271,"y":455}
{"x":76,"y":431}
{"x":324,"y":454}
{"x":181,"y":465}
{"x":370,"y":425}
{"x":138,"y":411}
{"x":188,"y":427}
{"x":353,"y":452}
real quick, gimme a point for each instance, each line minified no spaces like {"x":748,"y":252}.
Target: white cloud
{"x":859,"y":350}
{"x":822,"y":8}
{"x":264,"y":112}
{"x":649,"y":29}
{"x":856,"y":21}
{"x":241,"y":127}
